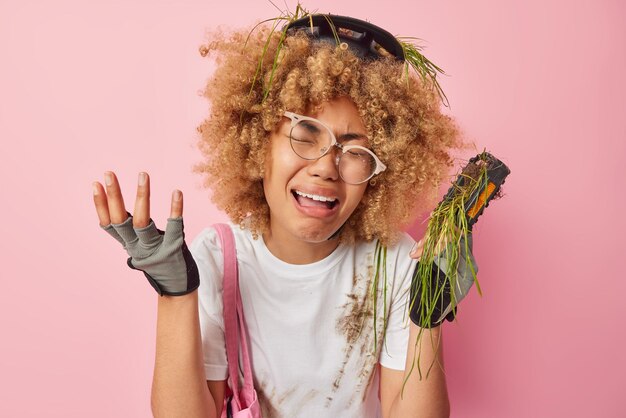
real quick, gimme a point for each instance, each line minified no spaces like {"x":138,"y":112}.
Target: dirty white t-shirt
{"x":313,"y":344}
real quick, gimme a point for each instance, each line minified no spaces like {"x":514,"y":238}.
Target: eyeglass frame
{"x":295,"y":118}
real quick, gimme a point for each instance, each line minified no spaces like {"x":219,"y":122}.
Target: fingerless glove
{"x":163,"y":257}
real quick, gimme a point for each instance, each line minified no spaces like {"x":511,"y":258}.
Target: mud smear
{"x":474,"y":170}
{"x":306,"y":399}
{"x":268,"y":410}
{"x":359,"y":307}
{"x":356,"y":323}
{"x":272,"y":402}
{"x":351,"y":325}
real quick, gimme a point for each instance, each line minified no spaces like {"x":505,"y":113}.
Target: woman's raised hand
{"x":162,"y":256}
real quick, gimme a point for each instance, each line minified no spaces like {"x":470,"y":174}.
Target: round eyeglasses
{"x":310,"y":139}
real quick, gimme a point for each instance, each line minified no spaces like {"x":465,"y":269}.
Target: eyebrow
{"x":348,"y":136}
{"x":351,"y":136}
{"x":310,"y":126}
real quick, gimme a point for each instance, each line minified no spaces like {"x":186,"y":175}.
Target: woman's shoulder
{"x":208,"y":240}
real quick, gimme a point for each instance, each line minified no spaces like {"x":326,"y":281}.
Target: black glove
{"x":443,"y":308}
{"x":437,"y":280}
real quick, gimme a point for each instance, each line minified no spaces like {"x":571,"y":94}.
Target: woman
{"x":319,"y":147}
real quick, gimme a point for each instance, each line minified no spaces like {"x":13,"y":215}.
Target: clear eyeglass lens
{"x":310,"y":140}
{"x":356,"y":165}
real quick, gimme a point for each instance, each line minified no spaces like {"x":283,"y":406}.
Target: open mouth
{"x":312,"y":200}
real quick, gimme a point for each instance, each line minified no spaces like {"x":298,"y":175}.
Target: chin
{"x":315,"y":234}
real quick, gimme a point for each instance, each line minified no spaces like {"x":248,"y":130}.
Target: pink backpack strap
{"x":234,"y":321}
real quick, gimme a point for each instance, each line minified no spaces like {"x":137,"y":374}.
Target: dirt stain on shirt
{"x":363,"y":340}
{"x":271,"y":401}
{"x":266,"y":399}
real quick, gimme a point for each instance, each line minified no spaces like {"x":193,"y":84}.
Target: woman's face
{"x":293,"y":186}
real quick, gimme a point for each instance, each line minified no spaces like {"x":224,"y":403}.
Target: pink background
{"x":112,"y":85}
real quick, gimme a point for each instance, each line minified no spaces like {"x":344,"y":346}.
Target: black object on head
{"x":366,"y":40}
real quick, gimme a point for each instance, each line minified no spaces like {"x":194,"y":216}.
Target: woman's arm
{"x":179,"y":388}
{"x":425,"y":398}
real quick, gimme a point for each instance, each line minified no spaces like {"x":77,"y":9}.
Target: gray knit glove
{"x":162,"y":256}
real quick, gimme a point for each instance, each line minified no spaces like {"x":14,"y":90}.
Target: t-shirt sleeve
{"x":399,"y":272}
{"x":207,"y":253}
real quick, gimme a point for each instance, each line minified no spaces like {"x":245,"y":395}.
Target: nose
{"x":327,"y":166}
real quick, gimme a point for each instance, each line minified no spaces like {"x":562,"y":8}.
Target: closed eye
{"x":303,"y":140}
{"x":357,"y":153}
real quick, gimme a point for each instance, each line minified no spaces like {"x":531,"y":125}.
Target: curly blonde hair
{"x":405,"y":126}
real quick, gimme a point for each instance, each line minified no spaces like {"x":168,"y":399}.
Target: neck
{"x":293,"y":250}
